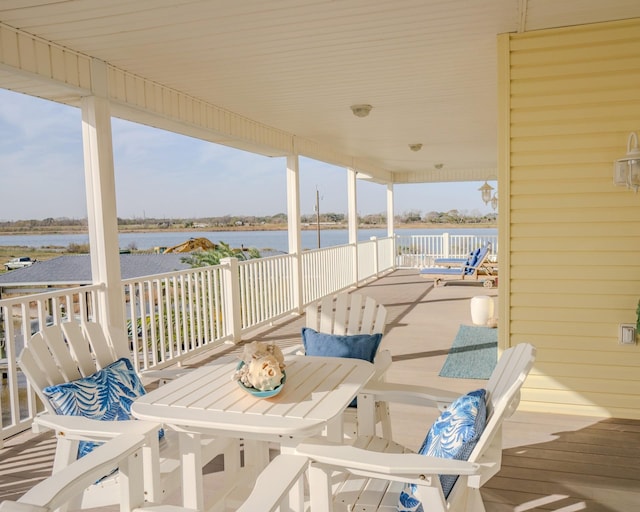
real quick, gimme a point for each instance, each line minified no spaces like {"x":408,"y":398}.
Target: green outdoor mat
{"x":473,"y":355}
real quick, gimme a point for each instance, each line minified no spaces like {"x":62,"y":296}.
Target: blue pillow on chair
{"x":356,"y":346}
{"x":106,"y":395}
{"x":453,"y":435}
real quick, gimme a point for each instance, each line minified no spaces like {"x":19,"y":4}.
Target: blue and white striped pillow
{"x":453,"y":435}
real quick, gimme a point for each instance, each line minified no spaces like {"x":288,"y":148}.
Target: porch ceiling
{"x":428,"y":68}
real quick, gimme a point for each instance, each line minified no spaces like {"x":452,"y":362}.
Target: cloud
{"x":160,"y":174}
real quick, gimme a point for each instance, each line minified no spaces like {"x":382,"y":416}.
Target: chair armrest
{"x":64,"y":485}
{"x":409,"y":394}
{"x":275,"y":482}
{"x":86,"y":429}
{"x":382,"y":361}
{"x":403,"y":466}
{"x":14,"y":506}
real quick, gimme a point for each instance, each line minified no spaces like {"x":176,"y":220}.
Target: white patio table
{"x":207,"y":400}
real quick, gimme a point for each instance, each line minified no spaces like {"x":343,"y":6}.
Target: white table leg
{"x":256,"y":455}
{"x":191,"y":458}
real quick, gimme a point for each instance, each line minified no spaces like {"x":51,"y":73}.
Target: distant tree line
{"x":375,"y":219}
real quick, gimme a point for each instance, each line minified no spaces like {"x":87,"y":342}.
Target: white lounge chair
{"x":67,"y":355}
{"x":371,"y":473}
{"x":472,"y":268}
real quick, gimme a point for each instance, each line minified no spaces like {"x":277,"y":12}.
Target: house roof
{"x":76,"y":269}
{"x":279,"y":77}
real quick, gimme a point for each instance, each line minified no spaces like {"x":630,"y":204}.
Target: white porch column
{"x":294,"y":228}
{"x":352,"y":217}
{"x":391,"y":221}
{"x":390,"y":213}
{"x":101,"y":199}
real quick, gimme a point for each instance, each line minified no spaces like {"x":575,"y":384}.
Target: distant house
{"x":75,"y":270}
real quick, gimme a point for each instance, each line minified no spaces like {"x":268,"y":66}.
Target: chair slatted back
{"x":58,"y":346}
{"x":79,"y":347}
{"x":119,"y":342}
{"x":63,"y":353}
{"x":100,"y":345}
{"x":512,"y":369}
{"x":40,"y":368}
{"x":351,"y":314}
{"x":471,"y":268}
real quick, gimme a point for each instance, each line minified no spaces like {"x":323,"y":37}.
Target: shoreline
{"x":217,"y":229}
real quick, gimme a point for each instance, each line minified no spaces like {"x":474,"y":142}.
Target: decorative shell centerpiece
{"x":261,"y":369}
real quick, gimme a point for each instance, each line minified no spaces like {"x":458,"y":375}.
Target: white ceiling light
{"x":361,"y":110}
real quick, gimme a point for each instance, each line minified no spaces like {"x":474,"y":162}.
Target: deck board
{"x":551,"y":462}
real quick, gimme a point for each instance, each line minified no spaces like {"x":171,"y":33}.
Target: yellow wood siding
{"x":570,"y":239}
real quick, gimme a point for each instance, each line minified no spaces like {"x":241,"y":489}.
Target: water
{"x":277,"y":241}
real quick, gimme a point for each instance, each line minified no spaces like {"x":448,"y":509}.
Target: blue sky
{"x":159,"y":174}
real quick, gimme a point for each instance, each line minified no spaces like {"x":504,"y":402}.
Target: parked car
{"x":21,"y":262}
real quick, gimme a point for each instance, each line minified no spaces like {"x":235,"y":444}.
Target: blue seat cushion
{"x":453,"y":435}
{"x":106,"y":395}
{"x":442,"y":271}
{"x":356,"y":346}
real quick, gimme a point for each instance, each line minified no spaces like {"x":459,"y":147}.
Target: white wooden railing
{"x":170,"y":316}
{"x":327,"y":271}
{"x":21,"y":317}
{"x":266,"y":290}
{"x":176,"y":315}
{"x":419,"y":251}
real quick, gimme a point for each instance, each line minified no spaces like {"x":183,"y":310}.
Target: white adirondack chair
{"x":59,"y":490}
{"x":67,"y":352}
{"x":370,"y":474}
{"x":279,"y":486}
{"x":352,"y":314}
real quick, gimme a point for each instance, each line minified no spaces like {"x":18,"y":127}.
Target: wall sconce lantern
{"x":626,"y":170}
{"x":486,"y":191}
{"x":488,"y":196}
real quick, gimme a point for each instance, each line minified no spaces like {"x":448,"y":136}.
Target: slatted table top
{"x":317,"y":390}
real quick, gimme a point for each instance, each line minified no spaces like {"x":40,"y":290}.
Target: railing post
{"x":376,"y":267}
{"x":445,"y":245}
{"x":232,"y":311}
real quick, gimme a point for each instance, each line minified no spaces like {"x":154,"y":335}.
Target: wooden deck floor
{"x":551,"y":462}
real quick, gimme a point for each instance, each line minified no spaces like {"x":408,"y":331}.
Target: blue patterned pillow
{"x":454,"y":435}
{"x":356,"y":346}
{"x":106,"y":395}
